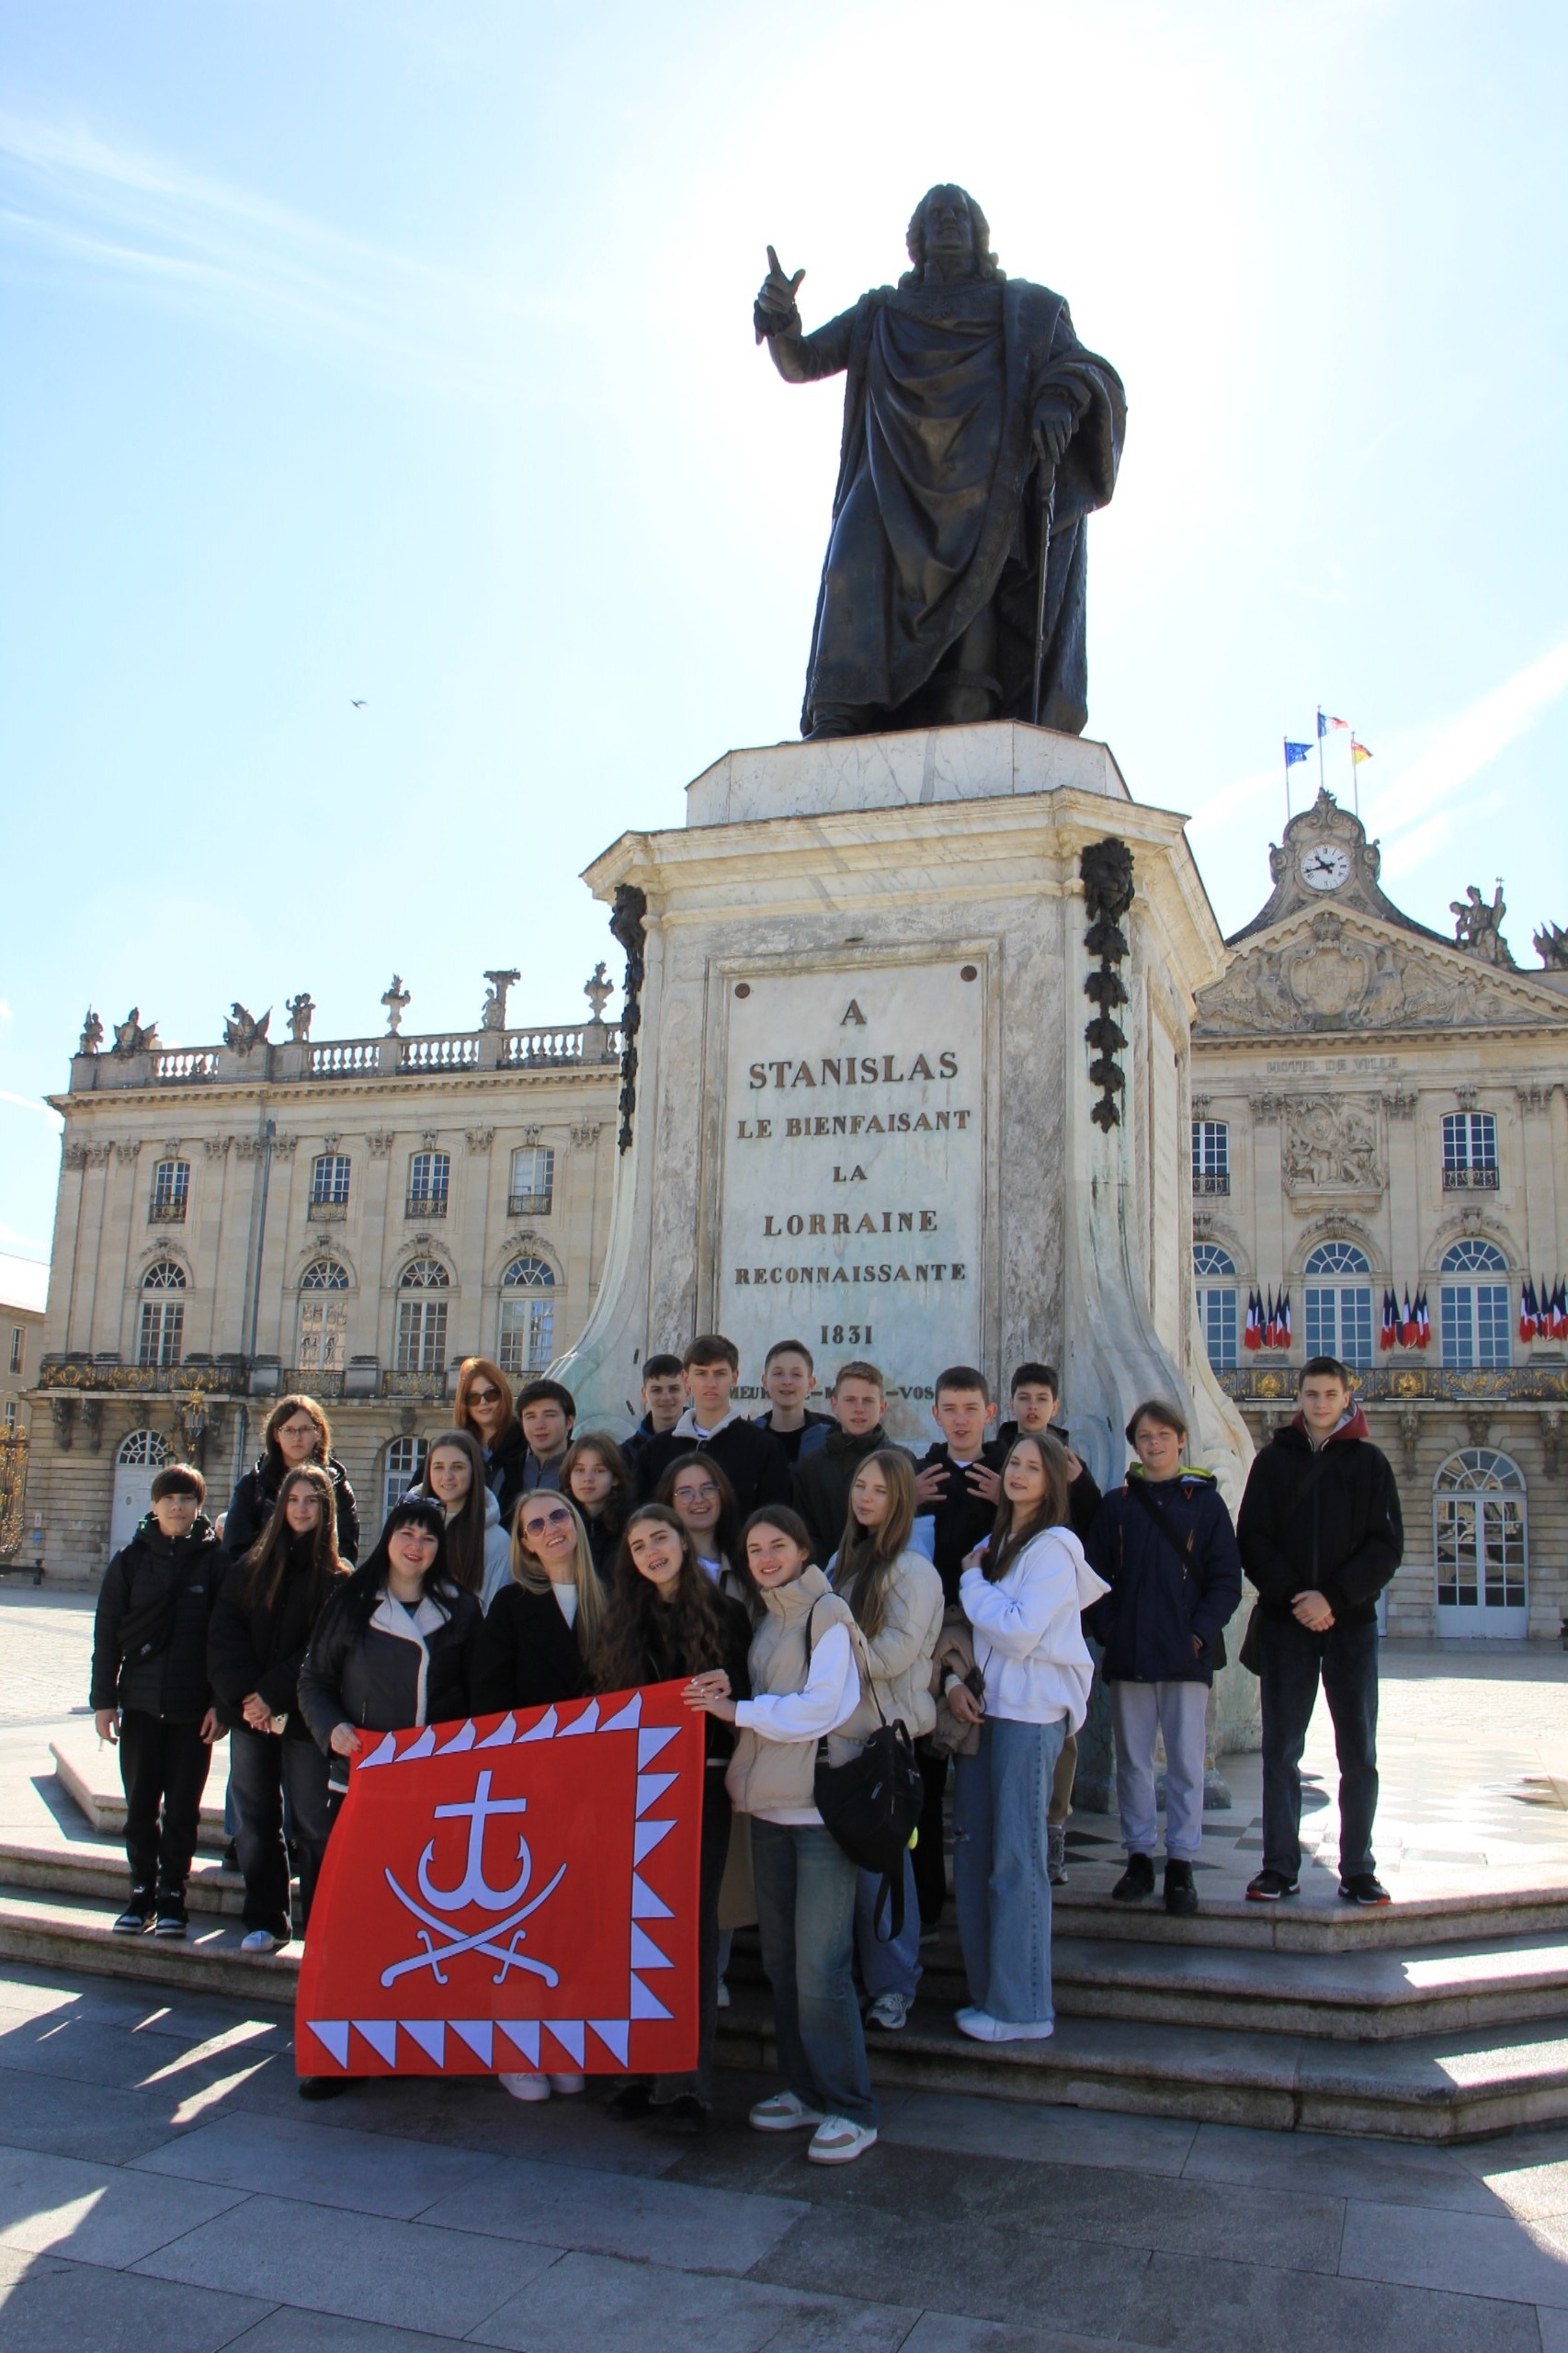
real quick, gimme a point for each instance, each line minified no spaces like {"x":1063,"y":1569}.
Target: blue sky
{"x":402,"y":352}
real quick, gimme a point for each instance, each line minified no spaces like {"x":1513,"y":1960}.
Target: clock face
{"x":1325,"y":868}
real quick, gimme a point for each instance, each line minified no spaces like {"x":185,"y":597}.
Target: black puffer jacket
{"x":356,"y":1673}
{"x":250,"y":1508}
{"x":1170,"y":1561}
{"x":253,"y":1647}
{"x":823,"y":1480}
{"x":1327,"y":1522}
{"x":150,"y":1629}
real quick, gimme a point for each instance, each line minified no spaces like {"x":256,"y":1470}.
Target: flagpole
{"x":1322,"y":786}
{"x":1355,"y":777}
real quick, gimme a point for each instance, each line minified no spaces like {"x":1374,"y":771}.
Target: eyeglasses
{"x":547,"y":1519}
{"x":484,"y":1396}
{"x":696,"y":1494}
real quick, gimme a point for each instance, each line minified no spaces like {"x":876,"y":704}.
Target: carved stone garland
{"x":1106,"y":871}
{"x":627,"y":926}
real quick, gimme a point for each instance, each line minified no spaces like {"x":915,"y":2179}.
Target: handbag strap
{"x":868,"y":1681}
{"x":1146,"y":1503}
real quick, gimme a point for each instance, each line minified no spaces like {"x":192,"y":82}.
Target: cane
{"x":1047,"y":517}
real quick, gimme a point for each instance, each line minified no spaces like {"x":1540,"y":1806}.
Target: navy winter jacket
{"x":1164,"y":1588}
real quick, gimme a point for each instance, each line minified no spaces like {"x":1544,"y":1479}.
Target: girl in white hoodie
{"x":1022,"y":1592}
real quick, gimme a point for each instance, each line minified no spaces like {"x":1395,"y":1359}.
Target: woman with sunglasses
{"x":483,"y":1407}
{"x":540,"y":1637}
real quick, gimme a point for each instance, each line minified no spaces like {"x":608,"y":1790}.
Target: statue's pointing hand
{"x":775,"y":311}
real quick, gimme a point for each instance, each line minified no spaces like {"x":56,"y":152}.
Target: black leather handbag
{"x":871,"y":1805}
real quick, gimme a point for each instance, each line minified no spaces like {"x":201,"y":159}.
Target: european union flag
{"x":1294,"y":752}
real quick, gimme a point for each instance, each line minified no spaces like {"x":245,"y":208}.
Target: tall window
{"x":1214,"y":1271}
{"x":1469,"y":1152}
{"x":1480,"y":1532}
{"x":329,"y":1180}
{"x":429,"y":1181}
{"x":171,"y":1184}
{"x":533,"y":1181}
{"x":1338,"y":1300}
{"x":17,"y":1344}
{"x":1210,"y":1156}
{"x":10,"y":1417}
{"x":527,"y":1340}
{"x":1474,"y":1300}
{"x":323,"y":1318}
{"x":422,"y":1317}
{"x":404,"y":1466}
{"x":162,"y":1313}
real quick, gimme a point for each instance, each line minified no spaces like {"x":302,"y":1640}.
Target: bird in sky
{"x":358,"y":700}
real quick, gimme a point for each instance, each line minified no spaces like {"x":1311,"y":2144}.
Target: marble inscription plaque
{"x":854,"y":1187}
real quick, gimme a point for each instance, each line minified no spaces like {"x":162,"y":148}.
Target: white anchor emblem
{"x":474,"y":1888}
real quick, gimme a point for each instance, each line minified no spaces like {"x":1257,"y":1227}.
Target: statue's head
{"x":948,"y":223}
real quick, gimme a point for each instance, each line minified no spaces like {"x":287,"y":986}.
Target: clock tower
{"x":1326,"y":860}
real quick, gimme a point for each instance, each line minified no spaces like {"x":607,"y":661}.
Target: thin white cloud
{"x":31,"y":1103}
{"x":1469,"y":743}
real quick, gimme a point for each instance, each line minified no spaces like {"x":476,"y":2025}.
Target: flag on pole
{"x":1407,"y":1323}
{"x":1543,"y":1312}
{"x":1560,"y":1311}
{"x":1422,"y":1321}
{"x":1341,"y":724}
{"x":1526,"y":1311}
{"x":1253,"y":1338}
{"x":1359,"y":753}
{"x":1294,"y":752}
{"x":1388,"y":1332}
{"x":1284,"y":1319}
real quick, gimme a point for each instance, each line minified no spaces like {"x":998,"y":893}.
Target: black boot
{"x":1136,"y":1881}
{"x":1181,"y":1896}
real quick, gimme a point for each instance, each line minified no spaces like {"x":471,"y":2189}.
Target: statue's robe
{"x":936,"y":513}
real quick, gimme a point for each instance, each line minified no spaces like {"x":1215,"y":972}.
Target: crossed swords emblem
{"x":474,"y":1888}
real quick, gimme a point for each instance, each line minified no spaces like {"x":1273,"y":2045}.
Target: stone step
{"x":1430,"y":2088}
{"x":1377,"y":1996}
{"x":88,"y":1772}
{"x":72,"y":1932}
{"x":95,"y":1871}
{"x":1320,"y":1923}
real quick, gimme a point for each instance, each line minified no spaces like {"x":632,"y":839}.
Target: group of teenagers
{"x":806,"y":1580}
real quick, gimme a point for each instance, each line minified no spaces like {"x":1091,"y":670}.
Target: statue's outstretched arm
{"x":800,"y":358}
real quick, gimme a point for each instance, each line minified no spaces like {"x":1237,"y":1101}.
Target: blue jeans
{"x":893,"y":1966}
{"x":805,"y":1915}
{"x":1000,"y":1879}
{"x":1293,"y":1660}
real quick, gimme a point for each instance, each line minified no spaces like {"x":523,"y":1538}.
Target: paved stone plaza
{"x":161,"y":2182}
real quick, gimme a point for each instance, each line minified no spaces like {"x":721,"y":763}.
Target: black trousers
{"x":162,"y":1765}
{"x":262,"y":1770}
{"x":930,"y":1848}
{"x":714,"y":1855}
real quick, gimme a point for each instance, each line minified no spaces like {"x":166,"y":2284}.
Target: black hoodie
{"x":1322,"y":1522}
{"x":150,"y":1628}
{"x":962,"y":1517}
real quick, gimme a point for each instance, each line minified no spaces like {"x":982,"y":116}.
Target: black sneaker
{"x":322,"y":2086}
{"x":685,"y":2113}
{"x":137,"y":1915}
{"x":172,"y":1920}
{"x":1269,"y":1886}
{"x":1362,"y":1887}
{"x":1136,"y":1881}
{"x":629,"y":2104}
{"x":1181,"y":1896}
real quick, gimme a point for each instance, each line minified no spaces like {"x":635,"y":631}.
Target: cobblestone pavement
{"x":161,"y":2182}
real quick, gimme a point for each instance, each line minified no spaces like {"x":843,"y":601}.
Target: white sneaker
{"x":525,"y":2087}
{"x":984,"y":2028}
{"x":566,"y":2084}
{"x":263,"y":1940}
{"x":783,"y":2113}
{"x":838,"y":2142}
{"x":890,"y":2010}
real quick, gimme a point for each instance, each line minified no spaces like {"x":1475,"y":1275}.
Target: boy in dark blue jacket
{"x":150,"y":1691}
{"x":1164,"y":1545}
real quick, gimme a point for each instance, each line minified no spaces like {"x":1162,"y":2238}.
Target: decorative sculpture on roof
{"x":92,"y":1036}
{"x":1478,"y":929}
{"x":1550,"y":945}
{"x":493,"y":1016}
{"x":242,"y":1032}
{"x":131,"y":1038}
{"x":598,"y":989}
{"x":300,"y":1010}
{"x":396,"y":999}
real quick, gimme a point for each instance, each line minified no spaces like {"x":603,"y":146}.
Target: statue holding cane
{"x":950,"y":593}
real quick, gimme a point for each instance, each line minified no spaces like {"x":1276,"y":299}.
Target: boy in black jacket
{"x":1320,"y":1536}
{"x":751,"y":1458}
{"x":150,"y":1691}
{"x":1034,"y":1397}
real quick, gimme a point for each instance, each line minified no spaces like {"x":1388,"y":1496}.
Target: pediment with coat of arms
{"x":1334,"y":971}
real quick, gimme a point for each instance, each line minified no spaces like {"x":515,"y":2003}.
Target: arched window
{"x":323,"y":1318}
{"x":1480,"y":1542}
{"x":422,"y":1317}
{"x":163,"y":1317}
{"x":137,"y":1461}
{"x":171,"y":1186}
{"x":141,"y":1449}
{"x":526,"y":1341}
{"x":404,"y":1465}
{"x":1214,"y":1271}
{"x":1338,"y":1303}
{"x":1475,"y":1305}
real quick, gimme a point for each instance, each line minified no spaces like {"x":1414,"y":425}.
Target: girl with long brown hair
{"x":1022,"y":1589}
{"x":479,"y":1552}
{"x":597,"y":1477}
{"x":895,"y":1598}
{"x":667,"y":1619}
{"x":697,"y":1491}
{"x":482,"y":1406}
{"x":261,"y":1628}
{"x":296,"y":1431}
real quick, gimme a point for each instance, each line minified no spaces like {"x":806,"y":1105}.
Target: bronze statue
{"x":977,"y":431}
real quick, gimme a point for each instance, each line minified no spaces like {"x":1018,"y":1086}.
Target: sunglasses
{"x":484,"y":1396}
{"x":547,"y":1519}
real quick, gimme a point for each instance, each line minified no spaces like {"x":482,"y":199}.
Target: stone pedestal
{"x":865,"y":1114}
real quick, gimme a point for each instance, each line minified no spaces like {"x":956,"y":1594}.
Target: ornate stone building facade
{"x":1381,"y":1110}
{"x":350,"y":1217}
